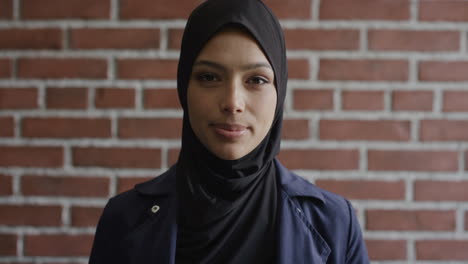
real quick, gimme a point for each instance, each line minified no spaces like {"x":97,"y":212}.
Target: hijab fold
{"x":227,"y":209}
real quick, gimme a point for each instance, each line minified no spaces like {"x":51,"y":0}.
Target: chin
{"x":229,"y":154}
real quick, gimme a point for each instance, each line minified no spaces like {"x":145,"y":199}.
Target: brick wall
{"x":377,"y":110}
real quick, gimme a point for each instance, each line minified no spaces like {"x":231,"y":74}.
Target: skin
{"x":231,"y":95}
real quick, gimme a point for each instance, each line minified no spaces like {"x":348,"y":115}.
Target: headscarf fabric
{"x":227,"y":209}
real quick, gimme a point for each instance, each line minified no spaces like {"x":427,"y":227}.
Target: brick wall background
{"x":377,"y":110}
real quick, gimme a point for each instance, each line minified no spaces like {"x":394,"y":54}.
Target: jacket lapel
{"x":298,"y":240}
{"x":154,"y":239}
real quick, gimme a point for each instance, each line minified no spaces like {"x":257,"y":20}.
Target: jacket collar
{"x":292,"y":184}
{"x":164,"y":184}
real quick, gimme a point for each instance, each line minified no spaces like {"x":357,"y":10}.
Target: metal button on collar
{"x":155,"y":209}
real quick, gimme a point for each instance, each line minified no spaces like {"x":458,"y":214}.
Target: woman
{"x":228,"y":200}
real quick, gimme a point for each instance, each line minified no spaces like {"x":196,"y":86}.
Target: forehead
{"x":234,"y":46}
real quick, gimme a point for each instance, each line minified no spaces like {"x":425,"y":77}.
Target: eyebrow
{"x":223,"y":68}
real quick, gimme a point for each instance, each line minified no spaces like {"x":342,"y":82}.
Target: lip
{"x":229,"y":131}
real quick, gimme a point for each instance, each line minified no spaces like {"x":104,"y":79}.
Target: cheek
{"x":199,"y":109}
{"x":265,"y":107}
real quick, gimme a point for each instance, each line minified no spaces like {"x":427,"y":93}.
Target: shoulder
{"x":330,"y":214}
{"x":309,"y":195}
{"x":128,"y":206}
{"x":330,"y":206}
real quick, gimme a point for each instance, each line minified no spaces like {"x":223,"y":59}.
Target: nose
{"x":232,"y":100}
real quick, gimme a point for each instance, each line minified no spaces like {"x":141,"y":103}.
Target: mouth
{"x":229,"y":131}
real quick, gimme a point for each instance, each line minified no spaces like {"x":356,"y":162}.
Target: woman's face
{"x":231,"y":95}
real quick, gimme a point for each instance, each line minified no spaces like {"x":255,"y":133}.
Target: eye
{"x":257,"y":80}
{"x":207,"y":77}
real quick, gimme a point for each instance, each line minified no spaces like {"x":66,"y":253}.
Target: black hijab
{"x":227,"y":209}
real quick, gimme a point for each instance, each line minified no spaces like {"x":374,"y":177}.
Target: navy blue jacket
{"x":315,"y":226}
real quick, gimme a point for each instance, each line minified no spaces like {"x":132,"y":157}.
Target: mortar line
{"x":363,"y":39}
{"x":41,"y":97}
{"x":16,"y":10}
{"x":414,"y":8}
{"x":315,"y":12}
{"x":139,"y":98}
{"x":114,"y":11}
{"x":388,"y":100}
{"x":438,"y":101}
{"x":163,"y":39}
{"x":337,"y":100}
{"x":415,"y":127}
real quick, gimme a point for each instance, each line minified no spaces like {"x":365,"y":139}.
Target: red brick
{"x":293,"y":9}
{"x":161,"y":99}
{"x":173,"y":156}
{"x":6,"y":9}
{"x":414,"y":40}
{"x":425,"y":190}
{"x":115,"y":98}
{"x":386,"y":249}
{"x":385,"y":130}
{"x":443,"y":71}
{"x":30,"y":215}
{"x":410,"y":160}
{"x":5,"y":68}
{"x":7,"y":126}
{"x":58,"y":68}
{"x":466,"y":220}
{"x":365,"y":10}
{"x":418,"y":220}
{"x":58,"y":9}
{"x":58,"y":245}
{"x":175,"y":38}
{"x":363,"y":100}
{"x":6,"y":185}
{"x":298,"y":69}
{"x":320,"y":159}
{"x":18,"y":98}
{"x":23,"y":156}
{"x":447,"y":10}
{"x":114,"y":38}
{"x":412,"y":100}
{"x":57,"y":127}
{"x":85,"y":216}
{"x":365,"y":189}
{"x":67,"y":98}
{"x":169,"y":128}
{"x":295,"y":129}
{"x":157,"y":9}
{"x":118,"y":157}
{"x":442,"y":250}
{"x":164,"y":9}
{"x":127,"y":183}
{"x":313,"y":99}
{"x":322,"y":39}
{"x":363,"y":70}
{"x":147,"y":69}
{"x":455,"y":101}
{"x":8,"y":245}
{"x":444,"y":130}
{"x":64,"y":186}
{"x":47,"y":38}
